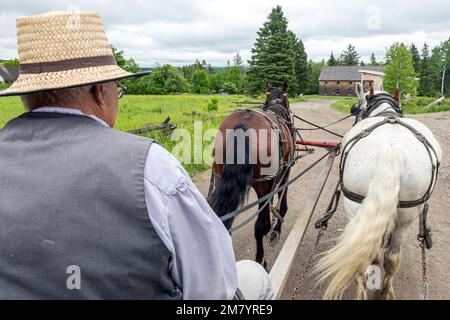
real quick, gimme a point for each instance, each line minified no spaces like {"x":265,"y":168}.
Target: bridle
{"x":373,"y":103}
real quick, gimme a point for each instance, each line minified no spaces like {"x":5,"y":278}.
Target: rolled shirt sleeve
{"x":203,"y":262}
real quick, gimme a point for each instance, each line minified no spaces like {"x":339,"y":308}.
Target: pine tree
{"x":425,"y":75}
{"x":373,"y":60}
{"x":350,"y":57}
{"x":416,"y":58}
{"x":332,"y":61}
{"x":301,"y":66}
{"x":238,"y":60}
{"x":314,"y":70}
{"x":210,"y":69}
{"x":273,"y":55}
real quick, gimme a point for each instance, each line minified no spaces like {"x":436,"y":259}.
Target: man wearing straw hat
{"x":87,"y":212}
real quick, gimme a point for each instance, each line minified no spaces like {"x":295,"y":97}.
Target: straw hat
{"x":59,"y":50}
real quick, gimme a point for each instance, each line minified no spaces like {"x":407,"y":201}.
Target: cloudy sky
{"x":180,"y":31}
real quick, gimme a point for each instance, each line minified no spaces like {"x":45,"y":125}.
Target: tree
{"x":440,"y":68}
{"x":301,"y":66}
{"x":273,"y":55}
{"x":217,"y":81}
{"x":425,"y":72}
{"x":314,"y":70}
{"x":238,"y":60}
{"x":210,"y":69}
{"x":129,"y":65}
{"x":415,"y":57}
{"x":400,"y":70}
{"x":332,"y":62}
{"x":200,"y":82}
{"x":373,"y":60}
{"x":350,"y":57}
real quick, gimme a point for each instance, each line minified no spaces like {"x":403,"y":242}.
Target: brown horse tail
{"x":237,"y":177}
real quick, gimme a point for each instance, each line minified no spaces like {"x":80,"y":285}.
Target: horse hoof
{"x":274,"y":239}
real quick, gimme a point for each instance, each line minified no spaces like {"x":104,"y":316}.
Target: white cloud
{"x":178,"y":32}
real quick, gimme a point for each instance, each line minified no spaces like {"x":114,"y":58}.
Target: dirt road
{"x":408,"y":281}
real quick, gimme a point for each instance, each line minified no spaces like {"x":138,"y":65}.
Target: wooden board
{"x":283,"y":265}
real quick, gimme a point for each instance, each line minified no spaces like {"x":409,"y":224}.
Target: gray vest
{"x":73,"y":213}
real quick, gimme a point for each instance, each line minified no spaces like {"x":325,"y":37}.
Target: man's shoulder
{"x":163,"y":170}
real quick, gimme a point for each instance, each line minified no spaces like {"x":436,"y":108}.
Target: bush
{"x":230,"y":87}
{"x":213,"y":105}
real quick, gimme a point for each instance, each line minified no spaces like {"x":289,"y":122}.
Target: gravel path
{"x":408,"y":280}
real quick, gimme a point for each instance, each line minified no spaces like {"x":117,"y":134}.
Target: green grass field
{"x":418,"y":105}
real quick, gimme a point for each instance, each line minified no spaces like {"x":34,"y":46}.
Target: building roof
{"x":8,"y":74}
{"x":348,"y":73}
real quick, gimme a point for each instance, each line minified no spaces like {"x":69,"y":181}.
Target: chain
{"x":308,"y":265}
{"x":424,"y":271}
{"x":267,"y":242}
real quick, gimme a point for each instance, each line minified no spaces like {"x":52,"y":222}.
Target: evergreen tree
{"x":362,"y":63}
{"x":314,"y":70}
{"x":425,"y":74}
{"x":400,"y":70}
{"x":373,"y":60}
{"x":416,"y":58}
{"x":273,"y":55}
{"x":301,"y":66}
{"x":210,"y":69}
{"x":238,"y":60}
{"x":332,"y":61}
{"x":350,"y":57}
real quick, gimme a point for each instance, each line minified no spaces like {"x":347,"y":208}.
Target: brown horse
{"x":259,"y":149}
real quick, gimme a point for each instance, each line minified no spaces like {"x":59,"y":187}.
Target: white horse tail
{"x":361,"y":241}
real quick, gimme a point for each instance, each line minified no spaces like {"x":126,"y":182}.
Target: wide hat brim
{"x":43,"y":82}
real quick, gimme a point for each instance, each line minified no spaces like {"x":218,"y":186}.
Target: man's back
{"x":73,"y":213}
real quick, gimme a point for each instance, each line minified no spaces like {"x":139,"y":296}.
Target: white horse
{"x":387,"y":174}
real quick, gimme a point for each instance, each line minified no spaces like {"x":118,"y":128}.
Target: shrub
{"x":230,"y":87}
{"x":213,"y":105}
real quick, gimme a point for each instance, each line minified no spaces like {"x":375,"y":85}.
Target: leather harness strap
{"x":391,"y":118}
{"x":277,"y":129}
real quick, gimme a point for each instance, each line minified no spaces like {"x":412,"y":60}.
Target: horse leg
{"x":392,"y":258}
{"x":263,"y":224}
{"x":283,"y":211}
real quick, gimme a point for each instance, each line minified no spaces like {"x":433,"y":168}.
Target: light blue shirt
{"x":203,"y":262}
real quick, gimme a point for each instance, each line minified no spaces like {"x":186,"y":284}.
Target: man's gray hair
{"x":55,"y":97}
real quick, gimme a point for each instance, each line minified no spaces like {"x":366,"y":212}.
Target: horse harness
{"x":281,"y":114}
{"x":285,"y":165}
{"x":391,"y":118}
